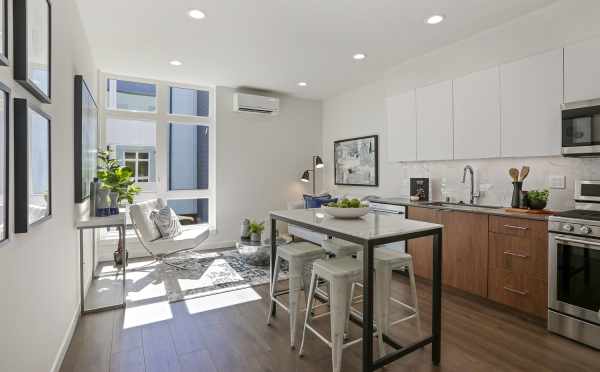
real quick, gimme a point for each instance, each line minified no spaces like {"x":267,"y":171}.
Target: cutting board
{"x":530,"y":211}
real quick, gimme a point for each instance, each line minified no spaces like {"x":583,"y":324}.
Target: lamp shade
{"x":318,"y":162}
{"x":305,"y":176}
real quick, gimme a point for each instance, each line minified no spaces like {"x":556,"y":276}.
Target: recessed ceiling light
{"x":176,"y":63}
{"x":302,"y":83}
{"x":196,"y":14}
{"x":359,"y":56}
{"x":434,"y":19}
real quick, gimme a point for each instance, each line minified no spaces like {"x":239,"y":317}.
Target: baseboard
{"x":62,"y":351}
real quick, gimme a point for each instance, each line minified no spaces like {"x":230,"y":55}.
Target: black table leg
{"x":367,"y":340}
{"x":273,"y":256}
{"x":436,"y":326}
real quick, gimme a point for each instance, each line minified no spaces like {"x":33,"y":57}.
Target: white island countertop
{"x":371,"y":227}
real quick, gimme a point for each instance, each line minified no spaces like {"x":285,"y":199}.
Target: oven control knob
{"x":585,"y":230}
{"x":567,"y":227}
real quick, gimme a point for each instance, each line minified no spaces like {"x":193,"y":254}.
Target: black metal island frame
{"x":370,"y":231}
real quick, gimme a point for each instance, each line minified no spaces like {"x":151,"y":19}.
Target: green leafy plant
{"x":257,"y":227}
{"x":538,"y":195}
{"x":116,"y":178}
{"x":347,"y":203}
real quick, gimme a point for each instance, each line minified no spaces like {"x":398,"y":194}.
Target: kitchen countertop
{"x":460,"y":208}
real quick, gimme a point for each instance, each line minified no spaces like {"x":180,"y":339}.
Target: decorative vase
{"x":245,"y":229}
{"x":523,"y":203}
{"x":94,"y":187}
{"x":114,"y":203}
{"x":102,"y":203}
{"x":516,"y":196}
{"x":255,"y":237}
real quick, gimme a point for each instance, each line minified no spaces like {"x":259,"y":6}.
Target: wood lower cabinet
{"x":502,"y":258}
{"x":518,"y":265}
{"x":464,"y":252}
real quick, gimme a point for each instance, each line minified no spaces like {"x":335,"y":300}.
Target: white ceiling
{"x":274,"y":44}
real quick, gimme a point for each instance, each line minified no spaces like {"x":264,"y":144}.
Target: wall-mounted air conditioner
{"x":257,"y":104}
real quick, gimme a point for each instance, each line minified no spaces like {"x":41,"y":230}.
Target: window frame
{"x":162,"y":118}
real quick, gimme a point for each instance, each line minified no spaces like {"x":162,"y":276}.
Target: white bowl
{"x":346,"y":212}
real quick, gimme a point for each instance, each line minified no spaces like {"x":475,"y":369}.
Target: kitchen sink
{"x":462,"y":205}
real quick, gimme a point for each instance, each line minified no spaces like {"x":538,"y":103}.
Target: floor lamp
{"x":317,"y":162}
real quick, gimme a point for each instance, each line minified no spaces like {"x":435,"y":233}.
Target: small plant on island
{"x":347,"y":203}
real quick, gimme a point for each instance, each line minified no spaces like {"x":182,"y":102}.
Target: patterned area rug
{"x":208,"y":273}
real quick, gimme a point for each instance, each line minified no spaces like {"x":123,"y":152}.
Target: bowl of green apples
{"x":346,"y":208}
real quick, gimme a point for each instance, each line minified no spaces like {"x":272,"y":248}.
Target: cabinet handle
{"x":516,"y":254}
{"x":516,"y":227}
{"x":522,"y":293}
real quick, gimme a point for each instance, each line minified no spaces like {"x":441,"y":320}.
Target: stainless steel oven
{"x":581,"y":129}
{"x":574,"y":272}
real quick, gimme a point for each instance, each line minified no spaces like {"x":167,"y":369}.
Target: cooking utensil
{"x":524,"y":173}
{"x":514,"y":174}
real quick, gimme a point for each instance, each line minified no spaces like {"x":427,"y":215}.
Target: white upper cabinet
{"x":434,"y":122}
{"x":402,"y":127}
{"x":477,"y":115}
{"x":531,"y":95}
{"x":582,"y":71}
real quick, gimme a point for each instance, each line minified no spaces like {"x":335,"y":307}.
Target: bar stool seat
{"x":341,"y":273}
{"x":298,"y":255}
{"x":340,"y":248}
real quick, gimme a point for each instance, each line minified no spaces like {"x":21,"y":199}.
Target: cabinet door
{"x":531,"y":95}
{"x":402,"y":127}
{"x":465,"y":251}
{"x":434,"y":122}
{"x":582,"y":71}
{"x":477,"y":115}
{"x":421,"y":249}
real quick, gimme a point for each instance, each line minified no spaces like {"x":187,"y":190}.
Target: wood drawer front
{"x":520,"y":291}
{"x":519,"y":255}
{"x":519,"y":227}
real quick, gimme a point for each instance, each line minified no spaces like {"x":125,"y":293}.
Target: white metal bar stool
{"x":386,"y":260}
{"x":340,"y":248}
{"x":341,"y":273}
{"x":298,"y":255}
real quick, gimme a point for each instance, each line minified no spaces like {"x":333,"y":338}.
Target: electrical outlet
{"x":557,"y":182}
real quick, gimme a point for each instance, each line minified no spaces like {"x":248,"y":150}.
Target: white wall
{"x":362,"y":111}
{"x":260,"y":159}
{"x":39,"y":271}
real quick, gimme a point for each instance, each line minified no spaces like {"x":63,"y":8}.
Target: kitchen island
{"x":370,"y":231}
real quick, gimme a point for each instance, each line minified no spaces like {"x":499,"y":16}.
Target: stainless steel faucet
{"x":464,"y":178}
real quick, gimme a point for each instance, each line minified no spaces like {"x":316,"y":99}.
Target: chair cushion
{"x":140,"y":216}
{"x":191,"y":236}
{"x":167,"y":222}
{"x":312,"y":201}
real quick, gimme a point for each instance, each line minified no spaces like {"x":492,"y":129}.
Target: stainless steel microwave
{"x":581,"y":129}
{"x":587,"y":191}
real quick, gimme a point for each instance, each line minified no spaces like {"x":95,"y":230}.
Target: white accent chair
{"x":151,"y":239}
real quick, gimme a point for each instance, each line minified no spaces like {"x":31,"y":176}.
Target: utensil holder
{"x":516,"y":196}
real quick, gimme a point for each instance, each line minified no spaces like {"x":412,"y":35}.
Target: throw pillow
{"x":167,"y":222}
{"x":311,"y":201}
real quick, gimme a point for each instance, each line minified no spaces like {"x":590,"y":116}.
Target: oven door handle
{"x":580,"y":243}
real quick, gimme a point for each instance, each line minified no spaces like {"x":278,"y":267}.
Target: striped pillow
{"x":167,"y":222}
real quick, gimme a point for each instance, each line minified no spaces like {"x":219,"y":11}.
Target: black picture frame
{"x":6,"y":171}
{"x":20,"y":48}
{"x":22,"y":159}
{"x":85,"y":152}
{"x":349,"y":142}
{"x":4,"y":28}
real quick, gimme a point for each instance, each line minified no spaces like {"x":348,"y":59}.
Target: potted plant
{"x":538,"y":199}
{"x":256,"y":229}
{"x":118,"y":180}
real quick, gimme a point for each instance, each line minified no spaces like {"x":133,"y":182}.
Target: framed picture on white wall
{"x":33,"y":171}
{"x":4,"y":31}
{"x":4,"y":156}
{"x":356,"y":161}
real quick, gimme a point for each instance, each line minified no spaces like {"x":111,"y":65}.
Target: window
{"x":130,"y":96}
{"x":133,"y":143}
{"x":190,"y":211}
{"x":164,"y":132}
{"x":188,"y":157}
{"x":192,"y":102}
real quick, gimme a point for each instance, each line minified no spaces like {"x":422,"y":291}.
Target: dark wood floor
{"x":198,"y":335}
